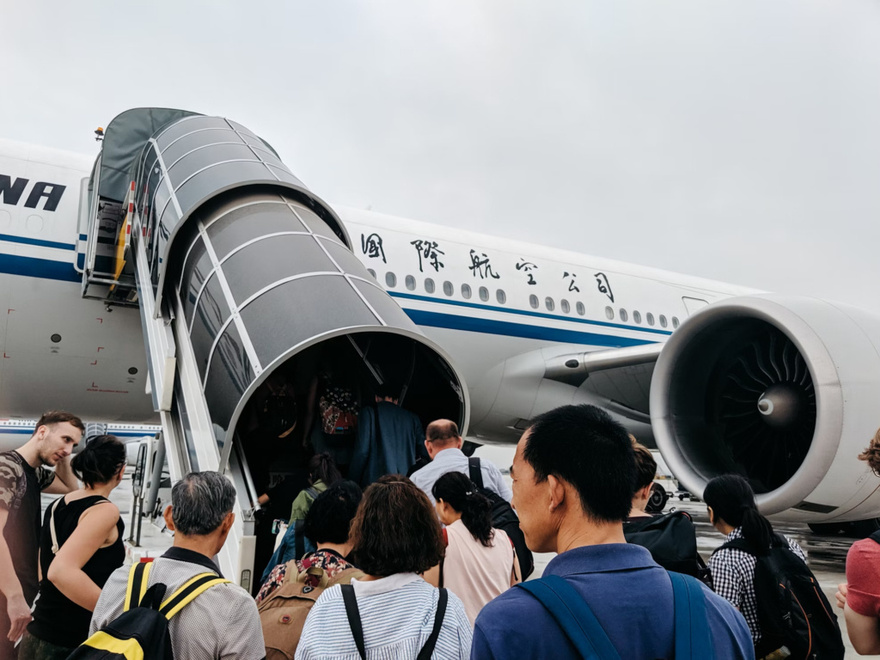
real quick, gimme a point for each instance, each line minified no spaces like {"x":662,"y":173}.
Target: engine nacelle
{"x":783,"y":390}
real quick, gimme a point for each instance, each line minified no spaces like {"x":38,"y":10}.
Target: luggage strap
{"x":584,"y":631}
{"x":476,"y":474}
{"x":138,"y":579}
{"x":357,"y":629}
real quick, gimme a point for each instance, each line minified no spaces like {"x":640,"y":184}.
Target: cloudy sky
{"x":734,"y":140}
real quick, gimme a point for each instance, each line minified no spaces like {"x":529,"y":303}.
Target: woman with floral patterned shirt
{"x":326,"y":525}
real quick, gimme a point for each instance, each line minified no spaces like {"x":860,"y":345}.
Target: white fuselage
{"x":482,"y":298}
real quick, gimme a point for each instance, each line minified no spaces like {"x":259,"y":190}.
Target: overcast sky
{"x":733,"y":140}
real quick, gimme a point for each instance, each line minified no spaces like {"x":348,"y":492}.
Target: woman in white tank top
{"x":480,"y":561}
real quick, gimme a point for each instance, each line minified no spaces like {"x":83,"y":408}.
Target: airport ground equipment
{"x":238,"y":270}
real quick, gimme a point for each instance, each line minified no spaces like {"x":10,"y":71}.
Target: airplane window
{"x":581,"y":310}
{"x":649,"y":318}
{"x":549,"y":304}
{"x":448,"y":289}
{"x":500,"y":296}
{"x":637,"y":316}
{"x":466,"y":291}
{"x":623,"y":315}
{"x":390,"y":279}
{"x":484,"y":294}
{"x":674,"y":321}
{"x":533,"y":301}
{"x":566,"y":308}
{"x":663,"y":322}
{"x":429,"y":285}
{"x":410,"y":282}
{"x":609,"y":313}
{"x":371,"y":272}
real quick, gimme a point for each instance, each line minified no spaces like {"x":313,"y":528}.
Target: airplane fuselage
{"x":484,"y":299}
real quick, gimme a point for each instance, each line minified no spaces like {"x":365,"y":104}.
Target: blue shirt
{"x":454,"y":460}
{"x":629,"y":593}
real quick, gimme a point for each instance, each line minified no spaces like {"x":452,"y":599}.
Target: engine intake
{"x":779,"y":389}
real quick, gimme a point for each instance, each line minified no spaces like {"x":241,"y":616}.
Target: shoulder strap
{"x":692,"y":637}
{"x":138,"y":579}
{"x":476,"y":473}
{"x":52,"y":533}
{"x":188,"y":592}
{"x":574,"y":616}
{"x":428,"y":648}
{"x":312,"y":492}
{"x":354,"y":618}
{"x":735,"y":544}
{"x":875,"y":536}
{"x":346,"y":576}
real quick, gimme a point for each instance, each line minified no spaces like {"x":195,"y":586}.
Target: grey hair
{"x":200,"y":502}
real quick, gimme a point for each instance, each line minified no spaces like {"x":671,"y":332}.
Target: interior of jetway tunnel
{"x":313,"y":403}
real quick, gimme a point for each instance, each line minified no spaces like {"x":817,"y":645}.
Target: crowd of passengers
{"x":381,"y":565}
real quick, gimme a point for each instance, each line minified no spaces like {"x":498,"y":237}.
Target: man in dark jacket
{"x":390,"y":439}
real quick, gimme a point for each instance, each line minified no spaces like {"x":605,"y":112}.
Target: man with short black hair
{"x":573,"y":477}
{"x":23,"y":476}
{"x":444,"y":444}
{"x":222,"y":622}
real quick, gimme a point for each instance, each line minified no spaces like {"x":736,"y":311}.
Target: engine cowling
{"x":783,"y":390}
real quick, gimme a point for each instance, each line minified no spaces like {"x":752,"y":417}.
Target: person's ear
{"x":428,"y":447}
{"x":556,"y":491}
{"x":169,"y":520}
{"x":711,"y":515}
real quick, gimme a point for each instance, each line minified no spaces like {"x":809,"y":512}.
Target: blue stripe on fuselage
{"x":36,"y":241}
{"x":492,"y":327}
{"x":524,"y":312}
{"x":64,"y":271}
{"x":44,"y":269}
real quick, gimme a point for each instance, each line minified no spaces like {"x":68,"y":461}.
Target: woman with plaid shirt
{"x":733,"y":512}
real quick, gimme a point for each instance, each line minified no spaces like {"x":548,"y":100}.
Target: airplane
{"x":168,"y":279}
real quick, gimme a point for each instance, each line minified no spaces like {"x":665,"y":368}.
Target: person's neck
{"x":638,"y":509}
{"x":339,"y":548}
{"x":454,"y":516}
{"x":584,"y":532}
{"x":204,"y":545}
{"x":30,"y":453}
{"x":103,"y":490}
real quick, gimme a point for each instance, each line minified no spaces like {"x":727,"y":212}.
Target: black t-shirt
{"x":57,"y":619}
{"x":20,"y":487}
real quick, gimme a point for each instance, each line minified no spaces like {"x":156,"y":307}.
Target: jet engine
{"x":782,"y":390}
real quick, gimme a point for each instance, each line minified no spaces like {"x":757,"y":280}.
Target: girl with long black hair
{"x":734,"y":513}
{"x":480,"y":562}
{"x":81,"y":544}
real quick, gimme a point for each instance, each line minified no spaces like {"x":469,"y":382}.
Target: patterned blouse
{"x":330,"y":560}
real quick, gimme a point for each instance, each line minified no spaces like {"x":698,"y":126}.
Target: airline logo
{"x":12,"y":191}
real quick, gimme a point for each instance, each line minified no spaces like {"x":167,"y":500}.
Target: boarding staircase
{"x":231,"y":261}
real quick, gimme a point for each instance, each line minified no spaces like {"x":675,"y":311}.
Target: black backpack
{"x":792,"y":610}
{"x":672,"y":541}
{"x":504,"y":518}
{"x":141,"y":631}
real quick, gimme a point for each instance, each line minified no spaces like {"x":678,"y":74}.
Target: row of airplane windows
{"x":549,"y":302}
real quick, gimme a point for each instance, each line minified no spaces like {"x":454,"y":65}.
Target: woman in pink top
{"x":480,"y":562}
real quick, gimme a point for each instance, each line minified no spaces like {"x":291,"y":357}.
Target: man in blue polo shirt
{"x":573,"y":475}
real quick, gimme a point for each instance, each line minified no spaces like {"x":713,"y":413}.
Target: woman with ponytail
{"x":480,"y":562}
{"x":80,"y":546}
{"x":733,"y":512}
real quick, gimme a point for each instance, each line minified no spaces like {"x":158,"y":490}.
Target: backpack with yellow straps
{"x":141,"y":631}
